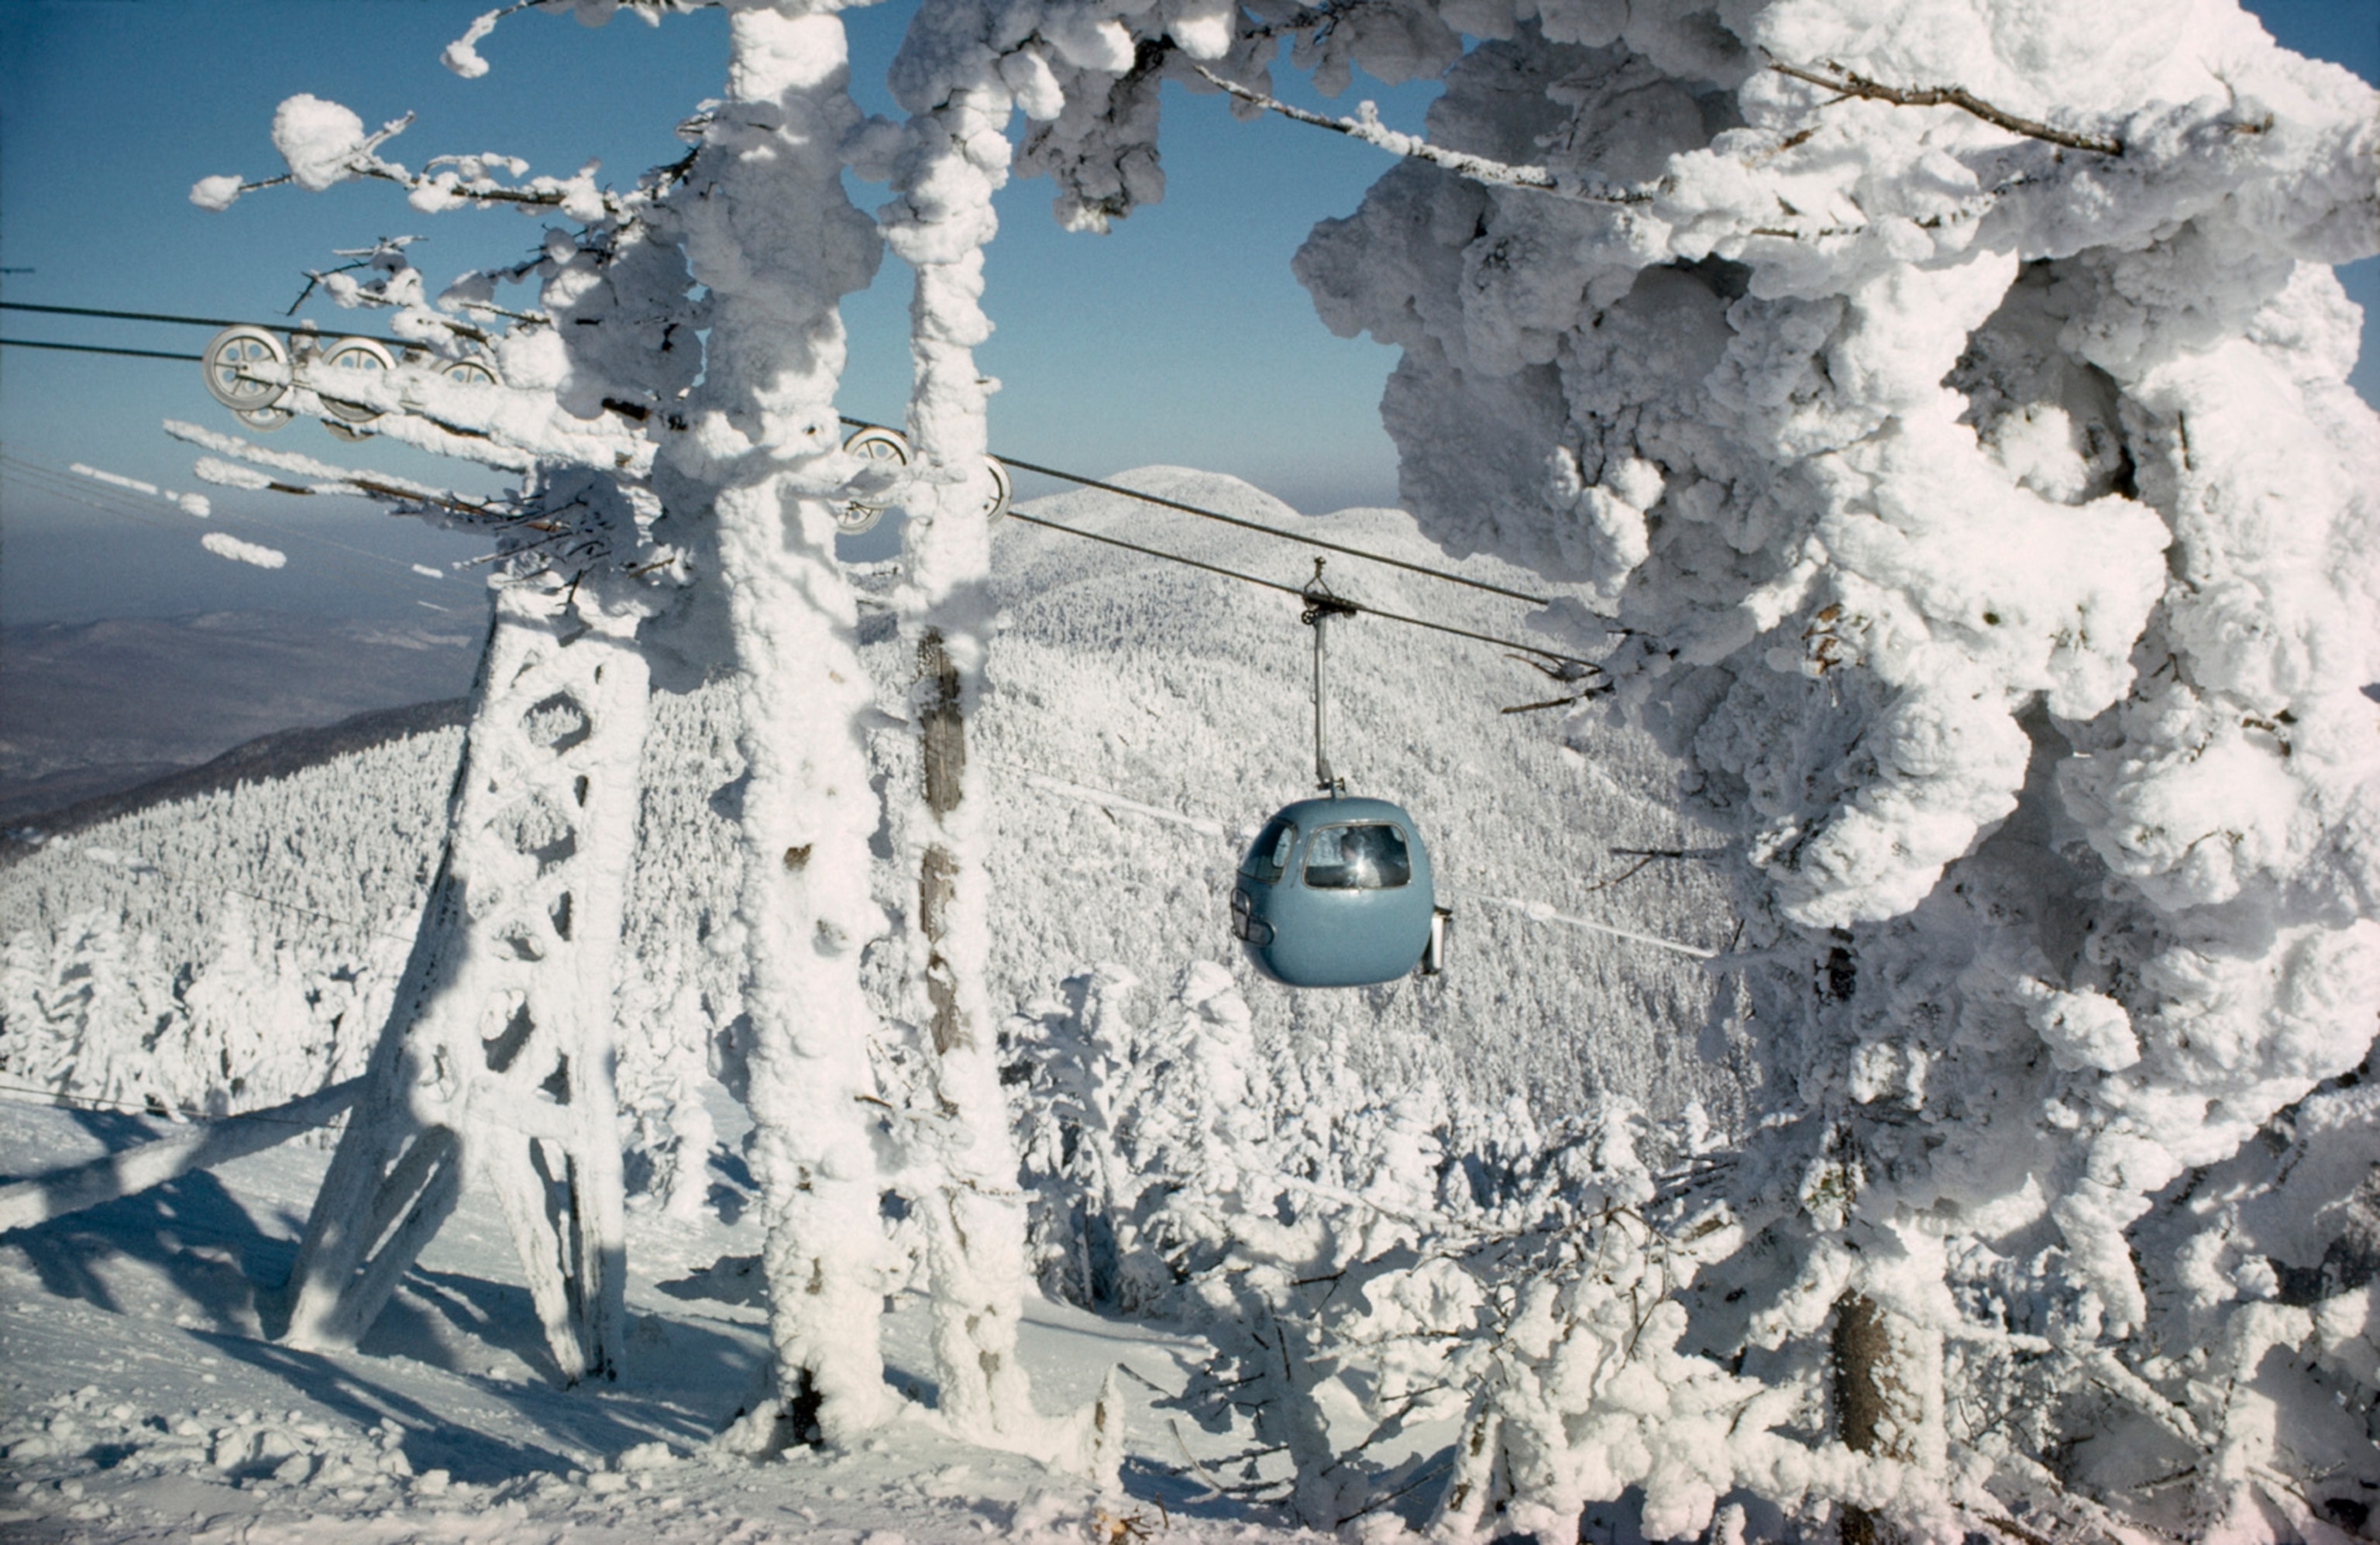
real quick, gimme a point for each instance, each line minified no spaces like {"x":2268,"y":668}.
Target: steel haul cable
{"x":1158,"y":500}
{"x":1294,"y":590}
{"x":285,"y":325}
{"x":1245,"y":525}
{"x":1060,"y":473}
{"x":94,"y":348}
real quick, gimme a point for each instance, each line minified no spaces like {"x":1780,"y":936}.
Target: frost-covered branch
{"x":189,"y":503}
{"x":385,"y":253}
{"x":398,"y":288}
{"x":573,"y":521}
{"x":325,"y":144}
{"x":462,"y":54}
{"x":1836,"y":78}
{"x":1366,"y":126}
{"x":219,"y":191}
{"x":324,"y":477}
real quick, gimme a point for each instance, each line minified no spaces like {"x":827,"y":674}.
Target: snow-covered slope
{"x":1191,"y":693}
{"x":235,"y":949}
{"x":1144,"y":717}
{"x":142,"y":1400}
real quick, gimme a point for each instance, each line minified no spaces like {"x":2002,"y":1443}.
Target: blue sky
{"x":1181,"y":337}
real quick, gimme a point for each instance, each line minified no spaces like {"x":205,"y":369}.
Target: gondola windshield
{"x":1366,"y":857}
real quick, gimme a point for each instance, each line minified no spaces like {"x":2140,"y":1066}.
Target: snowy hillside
{"x":1190,"y":693}
{"x":230,"y":951}
{"x":1145,"y":718}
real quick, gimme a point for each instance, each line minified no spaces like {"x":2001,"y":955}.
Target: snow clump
{"x":216,"y":192}
{"x":320,"y":140}
{"x":224,"y":546}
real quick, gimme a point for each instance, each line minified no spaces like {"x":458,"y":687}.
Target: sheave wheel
{"x":237,"y":365}
{"x":870,"y":444}
{"x":351,"y":354}
{"x":1003,"y":491}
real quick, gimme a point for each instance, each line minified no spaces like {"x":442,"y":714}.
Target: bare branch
{"x":1556,"y":703}
{"x":1631,"y":872}
{"x":1214,"y":1488}
{"x":1834,"y":78}
{"x":534,"y":319}
{"x":1366,"y":126}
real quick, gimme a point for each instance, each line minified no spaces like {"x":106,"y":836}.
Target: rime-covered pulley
{"x":856,"y":515}
{"x":1336,"y":890}
{"x":248,"y":371}
{"x":267,"y":383}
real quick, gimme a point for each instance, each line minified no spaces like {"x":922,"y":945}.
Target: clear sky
{"x":1181,"y":337}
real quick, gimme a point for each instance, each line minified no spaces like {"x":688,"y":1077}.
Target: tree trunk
{"x":942,"y":743}
{"x":769,"y":230}
{"x":975,"y":1222}
{"x":1887,"y":1397}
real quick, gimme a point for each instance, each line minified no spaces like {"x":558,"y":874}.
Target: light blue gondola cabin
{"x":1337,"y":892}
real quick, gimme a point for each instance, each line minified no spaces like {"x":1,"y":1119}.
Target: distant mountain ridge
{"x":277,"y":755}
{"x":97,"y":708}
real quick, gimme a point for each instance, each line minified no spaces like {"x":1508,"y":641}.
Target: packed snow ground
{"x":143,"y":1402}
{"x":1143,"y":718}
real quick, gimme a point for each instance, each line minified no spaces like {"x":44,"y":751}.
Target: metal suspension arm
{"x":1320,"y":607}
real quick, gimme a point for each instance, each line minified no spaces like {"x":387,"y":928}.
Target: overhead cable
{"x":1157,"y":500}
{"x":94,"y":348}
{"x":284,"y":325}
{"x":1294,"y":590}
{"x":1247,"y":525}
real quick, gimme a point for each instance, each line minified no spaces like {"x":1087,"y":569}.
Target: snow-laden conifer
{"x":1975,"y":475}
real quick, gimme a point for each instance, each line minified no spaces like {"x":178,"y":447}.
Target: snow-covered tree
{"x":1946,"y":407}
{"x":89,"y":1013}
{"x":249,"y":1015}
{"x":1951,"y":410}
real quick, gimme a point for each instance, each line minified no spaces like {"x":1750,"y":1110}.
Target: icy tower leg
{"x":497,"y":1056}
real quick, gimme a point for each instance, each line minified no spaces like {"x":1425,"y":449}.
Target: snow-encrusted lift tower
{"x":677,"y":503}
{"x":677,"y":512}
{"x":498,"y":1056}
